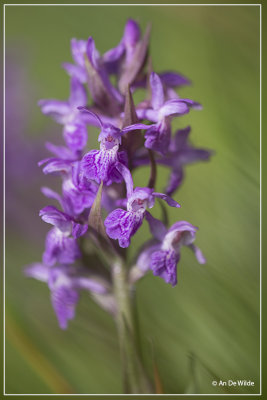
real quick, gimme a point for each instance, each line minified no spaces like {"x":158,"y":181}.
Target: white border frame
{"x":4,"y":87}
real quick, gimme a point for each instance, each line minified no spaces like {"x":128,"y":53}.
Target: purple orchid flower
{"x":67,"y":114}
{"x":90,"y":68}
{"x":78,"y":193}
{"x":163,"y":254}
{"x":65,"y":283}
{"x":122,"y":54}
{"x":159,"y":134}
{"x":101,"y":165}
{"x":86,"y":48}
{"x":59,"y":246}
{"x":123,"y":224}
{"x":181,"y":153}
{"x":111,"y":108}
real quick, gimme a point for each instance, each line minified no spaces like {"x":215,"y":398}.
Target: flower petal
{"x":76,"y":72}
{"x":75,"y":136}
{"x":55,"y":109}
{"x":122,"y":225}
{"x":78,"y":48}
{"x":135,"y":127}
{"x":157,"y":99}
{"x":125,"y":172}
{"x":64,"y":300}
{"x":173,"y":79}
{"x":173,"y":107}
{"x":167,"y":198}
{"x":78,"y":96}
{"x":157,"y":228}
{"x":198,"y":253}
{"x":132,"y":33}
{"x":37,"y":271}
{"x":52,"y":215}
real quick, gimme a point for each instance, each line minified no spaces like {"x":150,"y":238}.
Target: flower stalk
{"x":133,"y":371}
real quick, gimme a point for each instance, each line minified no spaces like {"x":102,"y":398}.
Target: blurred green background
{"x":207,"y":327}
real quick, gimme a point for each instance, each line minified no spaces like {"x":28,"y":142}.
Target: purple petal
{"x":158,"y":137}
{"x":92,"y":53}
{"x":56,"y":166}
{"x":78,"y":199}
{"x":112,"y":58}
{"x":60,"y":249}
{"x":132,"y":33}
{"x":122,"y":225}
{"x":157,"y":228}
{"x":60,"y":151}
{"x":127,"y":178}
{"x":144,"y":259}
{"x":100,"y":165}
{"x":76,"y":72}
{"x":97,"y":119}
{"x":89,"y":284}
{"x":198,"y":253}
{"x":55,"y":109}
{"x":186,"y":232}
{"x":64,"y":301}
{"x":78,"y":96}
{"x":52,"y":215}
{"x":37,"y":271}
{"x":135,"y":127}
{"x":79,"y":230}
{"x":157,"y":99}
{"x":175,"y":180}
{"x":149,"y":114}
{"x":51,"y":194}
{"x":193,"y":104}
{"x":75,"y":136}
{"x":173,"y":79}
{"x":168,"y":199}
{"x":141,"y":199}
{"x":78,"y":49}
{"x":174,"y":107}
{"x":192,"y":155}
{"x":163,"y":264}
{"x":180,"y":138}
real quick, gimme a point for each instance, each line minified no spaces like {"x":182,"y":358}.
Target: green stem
{"x":134,"y":376}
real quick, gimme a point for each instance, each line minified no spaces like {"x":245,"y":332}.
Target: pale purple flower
{"x":102,"y":165}
{"x":163,"y":257}
{"x":67,"y":114}
{"x":181,"y":152}
{"x":123,"y":224}
{"x":159,"y":134}
{"x":89,"y":68}
{"x":65,"y":283}
{"x":59,"y":246}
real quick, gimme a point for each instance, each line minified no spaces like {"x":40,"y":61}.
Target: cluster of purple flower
{"x":123,"y":148}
